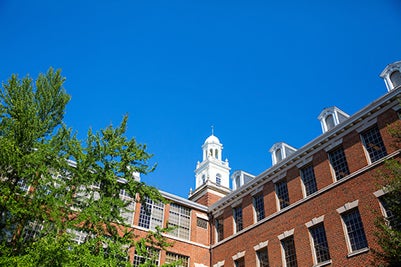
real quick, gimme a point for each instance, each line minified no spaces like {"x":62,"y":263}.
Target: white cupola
{"x":212,"y":169}
{"x":392,"y":75}
{"x":280,"y":151}
{"x":331,"y":117}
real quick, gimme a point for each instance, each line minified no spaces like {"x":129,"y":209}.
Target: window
{"x":127,"y":213}
{"x":262,"y":258}
{"x":237,"y":215}
{"x":330,"y":121}
{"x":339,"y":163}
{"x":32,"y":230}
{"x":290,"y":257}
{"x":319,"y":241}
{"x":183,"y":261}
{"x":219,"y":229}
{"x":218,"y":179}
{"x":180,"y":219}
{"x":387,"y":206}
{"x":354,"y":228}
{"x":395,"y":78}
{"x":239,"y":262}
{"x":151,"y":214}
{"x":309,"y":180}
{"x":23,"y":186}
{"x":151,"y":255}
{"x":282,"y":194}
{"x":202,"y":223}
{"x":373,"y":143}
{"x":259,"y":207}
{"x":78,"y":236}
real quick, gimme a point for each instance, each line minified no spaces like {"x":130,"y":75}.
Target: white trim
{"x":279,"y":177}
{"x":219,"y":264}
{"x":238,"y":255}
{"x":366,"y":125}
{"x":380,"y":193}
{"x":199,"y":265}
{"x":304,"y":162}
{"x":314,"y":221}
{"x":257,"y":190}
{"x":348,"y":206}
{"x":261,"y":245}
{"x":286,"y":234}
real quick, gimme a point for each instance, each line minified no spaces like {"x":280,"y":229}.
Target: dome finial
{"x":212,"y":130}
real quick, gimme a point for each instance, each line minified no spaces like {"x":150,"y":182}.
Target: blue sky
{"x":259,"y":71}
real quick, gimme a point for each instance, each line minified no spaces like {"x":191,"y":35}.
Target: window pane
{"x":262,"y":257}
{"x":151,"y":214}
{"x":172,"y":257}
{"x":240,"y":262}
{"x":180,"y":219}
{"x":374,"y":144}
{"x":219,"y":229}
{"x":282,"y":194}
{"x":339,"y":163}
{"x":237,"y":213}
{"x":309,"y":180}
{"x":320,"y":243}
{"x":356,"y":234}
{"x":259,"y":207}
{"x":289,"y":251}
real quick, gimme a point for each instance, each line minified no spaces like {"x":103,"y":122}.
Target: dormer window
{"x":392,"y":75}
{"x":331,"y":117}
{"x":280,"y":151}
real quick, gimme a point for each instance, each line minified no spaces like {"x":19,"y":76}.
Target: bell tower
{"x":212,"y":175}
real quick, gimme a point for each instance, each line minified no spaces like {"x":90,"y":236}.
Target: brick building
{"x":314,"y":207}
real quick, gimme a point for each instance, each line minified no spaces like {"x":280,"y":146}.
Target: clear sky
{"x":259,"y":71}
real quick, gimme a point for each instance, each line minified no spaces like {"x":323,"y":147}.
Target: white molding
{"x":314,"y":221}
{"x":261,"y":245}
{"x":257,"y":190}
{"x":348,"y":206}
{"x":286,"y":234}
{"x":304,"y":162}
{"x":238,"y":255}
{"x":279,"y":177}
{"x":333,"y":145}
{"x":219,"y":264}
{"x":366,"y":125}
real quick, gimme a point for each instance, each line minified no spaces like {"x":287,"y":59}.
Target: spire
{"x":212,"y":130}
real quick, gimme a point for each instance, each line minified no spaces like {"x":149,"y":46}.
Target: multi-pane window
{"x":151,"y":214}
{"x":237,"y":214}
{"x":290,"y":255}
{"x":239,"y":262}
{"x":218,"y":179}
{"x":309,"y":180}
{"x":201,"y":223}
{"x":219,"y":229}
{"x":23,"y":186}
{"x":78,"y":236}
{"x":388,"y":213}
{"x":374,"y":144}
{"x":180,"y":220}
{"x":182,"y":261}
{"x":339,"y":163}
{"x":259,"y":207}
{"x":152,"y":256}
{"x":354,"y":228}
{"x":282,"y":194}
{"x":262,"y":257}
{"x":127,"y":213}
{"x":32,"y":230}
{"x":321,"y":248}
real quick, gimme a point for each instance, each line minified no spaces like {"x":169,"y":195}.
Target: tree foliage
{"x":389,"y":229}
{"x":54,"y":185}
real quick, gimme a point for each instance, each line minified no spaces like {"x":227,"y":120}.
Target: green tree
{"x":74,"y":185}
{"x":389,"y":229}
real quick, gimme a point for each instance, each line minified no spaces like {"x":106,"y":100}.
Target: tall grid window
{"x":127,"y":213}
{"x":373,"y":143}
{"x":309,"y":180}
{"x":339,"y":163}
{"x":153,"y":256}
{"x":388,"y":213}
{"x":290,"y":255}
{"x":78,"y":236}
{"x":321,"y":248}
{"x":218,"y":179}
{"x":151,"y":214}
{"x":219,"y":229}
{"x":200,"y":222}
{"x":354,"y":228}
{"x":180,"y":219}
{"x":282,"y":194}
{"x":183,"y":261}
{"x":263,"y":260}
{"x":237,"y":214}
{"x":259,"y":207}
{"x":239,"y":262}
{"x":32,"y":230}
